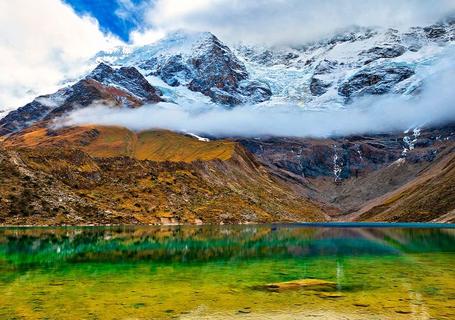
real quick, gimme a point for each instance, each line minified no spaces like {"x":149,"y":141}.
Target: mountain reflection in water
{"x":224,"y":272}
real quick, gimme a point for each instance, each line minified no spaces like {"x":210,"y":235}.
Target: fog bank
{"x":435,"y":105}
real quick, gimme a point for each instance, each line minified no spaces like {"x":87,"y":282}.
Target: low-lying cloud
{"x":434,"y":106}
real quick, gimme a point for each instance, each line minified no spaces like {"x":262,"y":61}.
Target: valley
{"x":111,"y":175}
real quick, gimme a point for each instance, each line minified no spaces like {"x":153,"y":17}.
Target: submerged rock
{"x":297,"y":284}
{"x":330,"y":295}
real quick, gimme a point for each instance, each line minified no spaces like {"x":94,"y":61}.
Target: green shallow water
{"x":218,"y":272}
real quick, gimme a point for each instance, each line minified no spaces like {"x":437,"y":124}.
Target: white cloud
{"x":42,"y":43}
{"x":291,"y":21}
{"x":140,"y":38}
{"x":125,"y":9}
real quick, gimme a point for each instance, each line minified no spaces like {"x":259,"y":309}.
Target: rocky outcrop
{"x":375,"y":80}
{"x":309,"y":284}
{"x":355,"y":155}
{"x":318,"y":87}
{"x":313,"y":158}
{"x":20,"y":118}
{"x":204,"y":64}
{"x":384,"y":52}
{"x":325,"y":67}
{"x":435,"y":32}
{"x":128,"y":79}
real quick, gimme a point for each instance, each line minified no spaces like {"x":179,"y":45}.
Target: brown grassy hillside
{"x":105,"y":175}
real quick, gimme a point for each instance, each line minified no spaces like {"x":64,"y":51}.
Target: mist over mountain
{"x":388,"y":113}
{"x":366,"y":80}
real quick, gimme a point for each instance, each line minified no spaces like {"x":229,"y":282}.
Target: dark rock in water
{"x":318,"y":87}
{"x":245,"y":310}
{"x":331,"y":295}
{"x":363,"y":305}
{"x":403,"y":312}
{"x":375,"y":80}
{"x":297,"y":284}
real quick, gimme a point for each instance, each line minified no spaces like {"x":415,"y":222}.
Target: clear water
{"x":219,"y":272}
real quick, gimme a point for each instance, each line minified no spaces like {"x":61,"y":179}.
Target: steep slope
{"x":428,"y":197}
{"x":67,"y":179}
{"x":358,"y":173}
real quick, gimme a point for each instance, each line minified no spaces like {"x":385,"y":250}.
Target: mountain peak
{"x":124,"y":87}
{"x":188,"y":36}
{"x":102,"y":68}
{"x":202,"y":63}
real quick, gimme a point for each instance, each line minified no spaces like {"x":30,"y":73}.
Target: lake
{"x":332,"y":271}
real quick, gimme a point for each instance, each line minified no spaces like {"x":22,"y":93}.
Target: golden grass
{"x":166,"y":145}
{"x":110,"y":141}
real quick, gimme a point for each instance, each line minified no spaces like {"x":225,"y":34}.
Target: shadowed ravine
{"x":219,"y":272}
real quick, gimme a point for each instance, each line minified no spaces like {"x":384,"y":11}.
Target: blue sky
{"x":118,"y":17}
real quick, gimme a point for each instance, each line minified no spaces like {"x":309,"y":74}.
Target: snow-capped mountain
{"x":189,"y":68}
{"x":332,"y":72}
{"x":197,"y":61}
{"x":326,"y":74}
